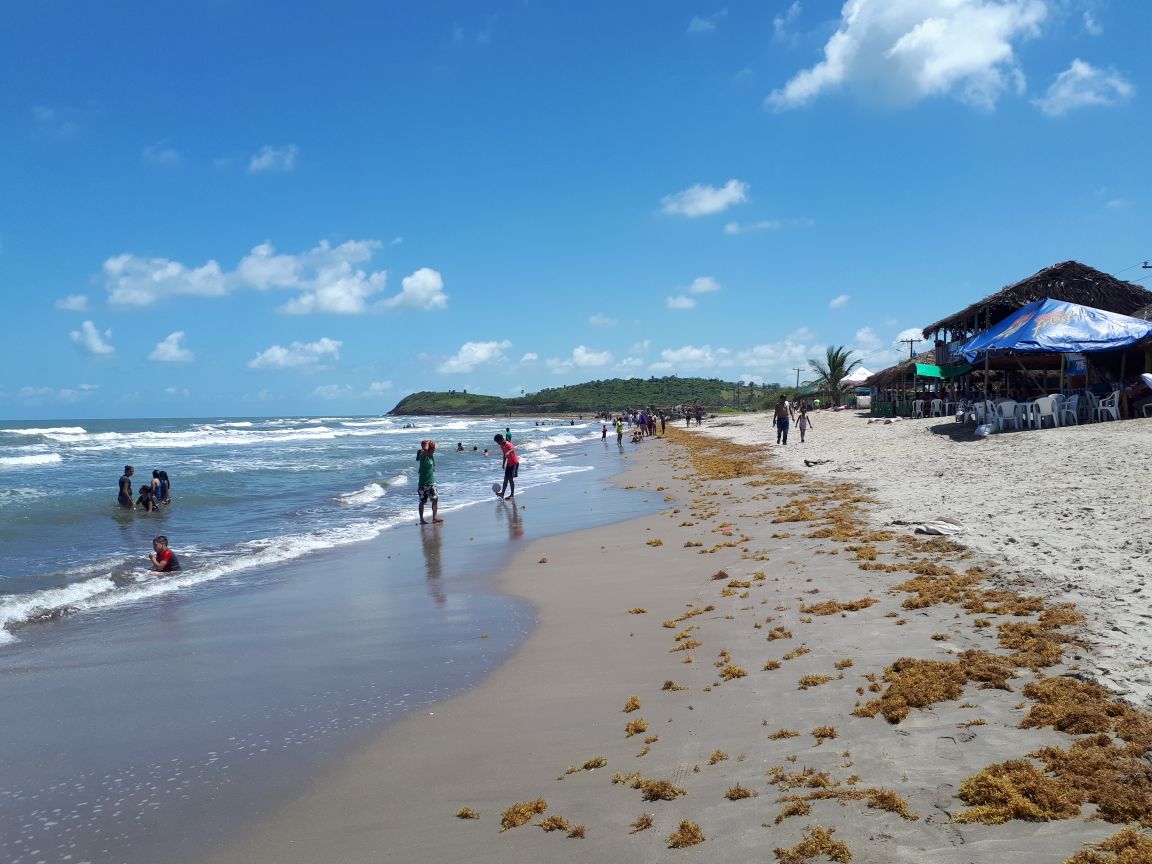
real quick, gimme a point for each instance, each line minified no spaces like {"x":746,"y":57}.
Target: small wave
{"x":371,"y":492}
{"x":25,"y":461}
{"x":398,"y":480}
{"x":20,"y":494}
{"x":51,"y":430}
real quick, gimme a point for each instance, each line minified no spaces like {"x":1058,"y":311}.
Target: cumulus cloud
{"x":298,"y":355}
{"x":702,"y":200}
{"x":703,"y":285}
{"x":766,"y":225}
{"x":530,"y":357}
{"x":581,"y":357}
{"x":63,"y":394}
{"x":782,"y":23}
{"x":640,"y":347}
{"x":902,"y":51}
{"x":472,"y":354}
{"x":839,"y":301}
{"x":1082,"y":85}
{"x":692,"y":357}
{"x":274,"y":159}
{"x":91,"y":339}
{"x":327,"y":279}
{"x":423,"y":290}
{"x":378,"y":388}
{"x":599,"y":320}
{"x":171,"y":351}
{"x":679,"y":301}
{"x":331,"y":391}
{"x":73,"y":302}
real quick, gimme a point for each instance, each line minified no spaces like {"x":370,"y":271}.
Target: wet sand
{"x":713,"y":617}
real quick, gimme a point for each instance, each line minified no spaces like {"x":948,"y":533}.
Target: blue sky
{"x":249,"y":208}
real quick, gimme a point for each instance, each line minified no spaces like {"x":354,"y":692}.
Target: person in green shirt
{"x":426,"y":485}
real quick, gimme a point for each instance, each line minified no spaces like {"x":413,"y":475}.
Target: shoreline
{"x":725,"y":565}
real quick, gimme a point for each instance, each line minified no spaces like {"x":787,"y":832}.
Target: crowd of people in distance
{"x":151,"y":496}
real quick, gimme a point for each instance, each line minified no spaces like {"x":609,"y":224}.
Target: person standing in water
{"x":426,"y":485}
{"x":163,"y":559}
{"x":124,"y":497}
{"x":511,"y":464}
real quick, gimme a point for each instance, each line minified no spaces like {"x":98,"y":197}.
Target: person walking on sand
{"x":783,"y":416}
{"x":426,"y":485}
{"x":803,"y":423}
{"x":511,"y":464}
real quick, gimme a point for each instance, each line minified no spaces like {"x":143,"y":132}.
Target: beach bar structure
{"x":943,"y":368}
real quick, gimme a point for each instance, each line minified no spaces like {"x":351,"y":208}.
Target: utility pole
{"x":797,"y":370}
{"x":910,"y":343}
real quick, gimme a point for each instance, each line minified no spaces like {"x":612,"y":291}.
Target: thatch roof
{"x":1070,"y":281}
{"x":893,"y":375}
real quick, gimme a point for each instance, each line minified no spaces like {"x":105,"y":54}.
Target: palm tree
{"x":830,"y":373}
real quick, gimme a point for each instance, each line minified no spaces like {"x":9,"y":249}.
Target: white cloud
{"x":640,"y":347}
{"x":378,"y":388}
{"x":472,"y":354}
{"x":1118,"y":204}
{"x":162,"y":153}
{"x":782,"y":23}
{"x":767,"y":225}
{"x":274,"y":159}
{"x":706,"y":24}
{"x":332,"y":391}
{"x":1091,"y":25}
{"x":327,"y":278}
{"x":91,"y":339}
{"x":73,"y":302}
{"x":599,"y":320}
{"x":910,"y":333}
{"x":693,"y":357}
{"x":423,"y":290}
{"x":839,"y":301}
{"x":631,"y":363}
{"x":702,"y":200}
{"x":903,"y":51}
{"x":64,"y":394}
{"x":703,"y":285}
{"x":298,"y":355}
{"x":1082,"y":85}
{"x":681,"y":302}
{"x":530,"y":357}
{"x":582,"y":357}
{"x":171,"y":351}
{"x":178,"y":392}
{"x":800,"y":334}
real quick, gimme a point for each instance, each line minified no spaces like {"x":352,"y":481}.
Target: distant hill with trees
{"x":612,"y":395}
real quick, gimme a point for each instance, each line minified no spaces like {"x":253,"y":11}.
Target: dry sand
{"x":1065,"y":509}
{"x":717,"y":571}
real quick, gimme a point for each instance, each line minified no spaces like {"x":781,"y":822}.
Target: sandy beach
{"x":770,"y":665}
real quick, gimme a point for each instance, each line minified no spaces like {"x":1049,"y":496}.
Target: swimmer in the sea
{"x":163,"y":559}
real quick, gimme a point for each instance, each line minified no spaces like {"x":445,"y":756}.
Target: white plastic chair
{"x":1005,"y":414}
{"x":1092,"y":401}
{"x":1069,"y":409}
{"x":1108,"y":407}
{"x":983,"y":412}
{"x":1046,"y":409}
{"x":917,"y":409}
{"x":936,"y":408}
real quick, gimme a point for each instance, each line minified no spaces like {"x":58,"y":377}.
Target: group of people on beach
{"x":151,"y":495}
{"x":785,"y":413}
{"x":426,"y":473}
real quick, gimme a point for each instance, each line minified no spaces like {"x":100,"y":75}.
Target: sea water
{"x":151,"y":718}
{"x":247,"y":493}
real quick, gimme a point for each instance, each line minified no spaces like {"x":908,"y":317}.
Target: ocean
{"x":153,"y":718}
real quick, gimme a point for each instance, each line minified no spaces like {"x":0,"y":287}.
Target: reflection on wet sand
{"x":430,"y":541}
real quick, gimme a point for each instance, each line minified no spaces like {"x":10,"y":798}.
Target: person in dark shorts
{"x":426,"y":485}
{"x":163,"y":559}
{"x":124,"y":497}
{"x":511,"y":465}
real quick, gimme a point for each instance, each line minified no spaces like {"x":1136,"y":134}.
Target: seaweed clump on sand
{"x":738,"y":792}
{"x":521,"y":813}
{"x":688,"y":834}
{"x":832,"y":607}
{"x":658,"y":790}
{"x":1016,"y":789}
{"x":817,"y":841}
{"x":466,"y":813}
{"x":915,"y":683}
{"x":1117,"y":779}
{"x":1081,"y":707}
{"x":1127,"y":847}
{"x":635,"y":727}
{"x":643,"y":823}
{"x":632,"y":704}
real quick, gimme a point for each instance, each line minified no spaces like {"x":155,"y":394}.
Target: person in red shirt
{"x":511,"y":464}
{"x":163,"y":559}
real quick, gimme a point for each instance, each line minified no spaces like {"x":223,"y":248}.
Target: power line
{"x":797,"y":370}
{"x":910,"y":343}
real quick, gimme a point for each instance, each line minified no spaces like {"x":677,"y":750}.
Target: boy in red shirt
{"x":163,"y":559}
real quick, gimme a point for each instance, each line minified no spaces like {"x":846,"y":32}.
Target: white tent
{"x":857,"y":375}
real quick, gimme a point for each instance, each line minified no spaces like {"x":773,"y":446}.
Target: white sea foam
{"x":371,"y":492}
{"x":26,"y":461}
{"x":51,"y":430}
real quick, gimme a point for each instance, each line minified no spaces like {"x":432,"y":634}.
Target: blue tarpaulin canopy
{"x":1056,"y":327}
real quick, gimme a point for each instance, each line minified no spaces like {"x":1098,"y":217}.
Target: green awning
{"x":927,"y":370}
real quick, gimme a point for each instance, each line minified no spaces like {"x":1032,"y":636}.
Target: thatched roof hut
{"x":1070,"y":281}
{"x":893,"y":375}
